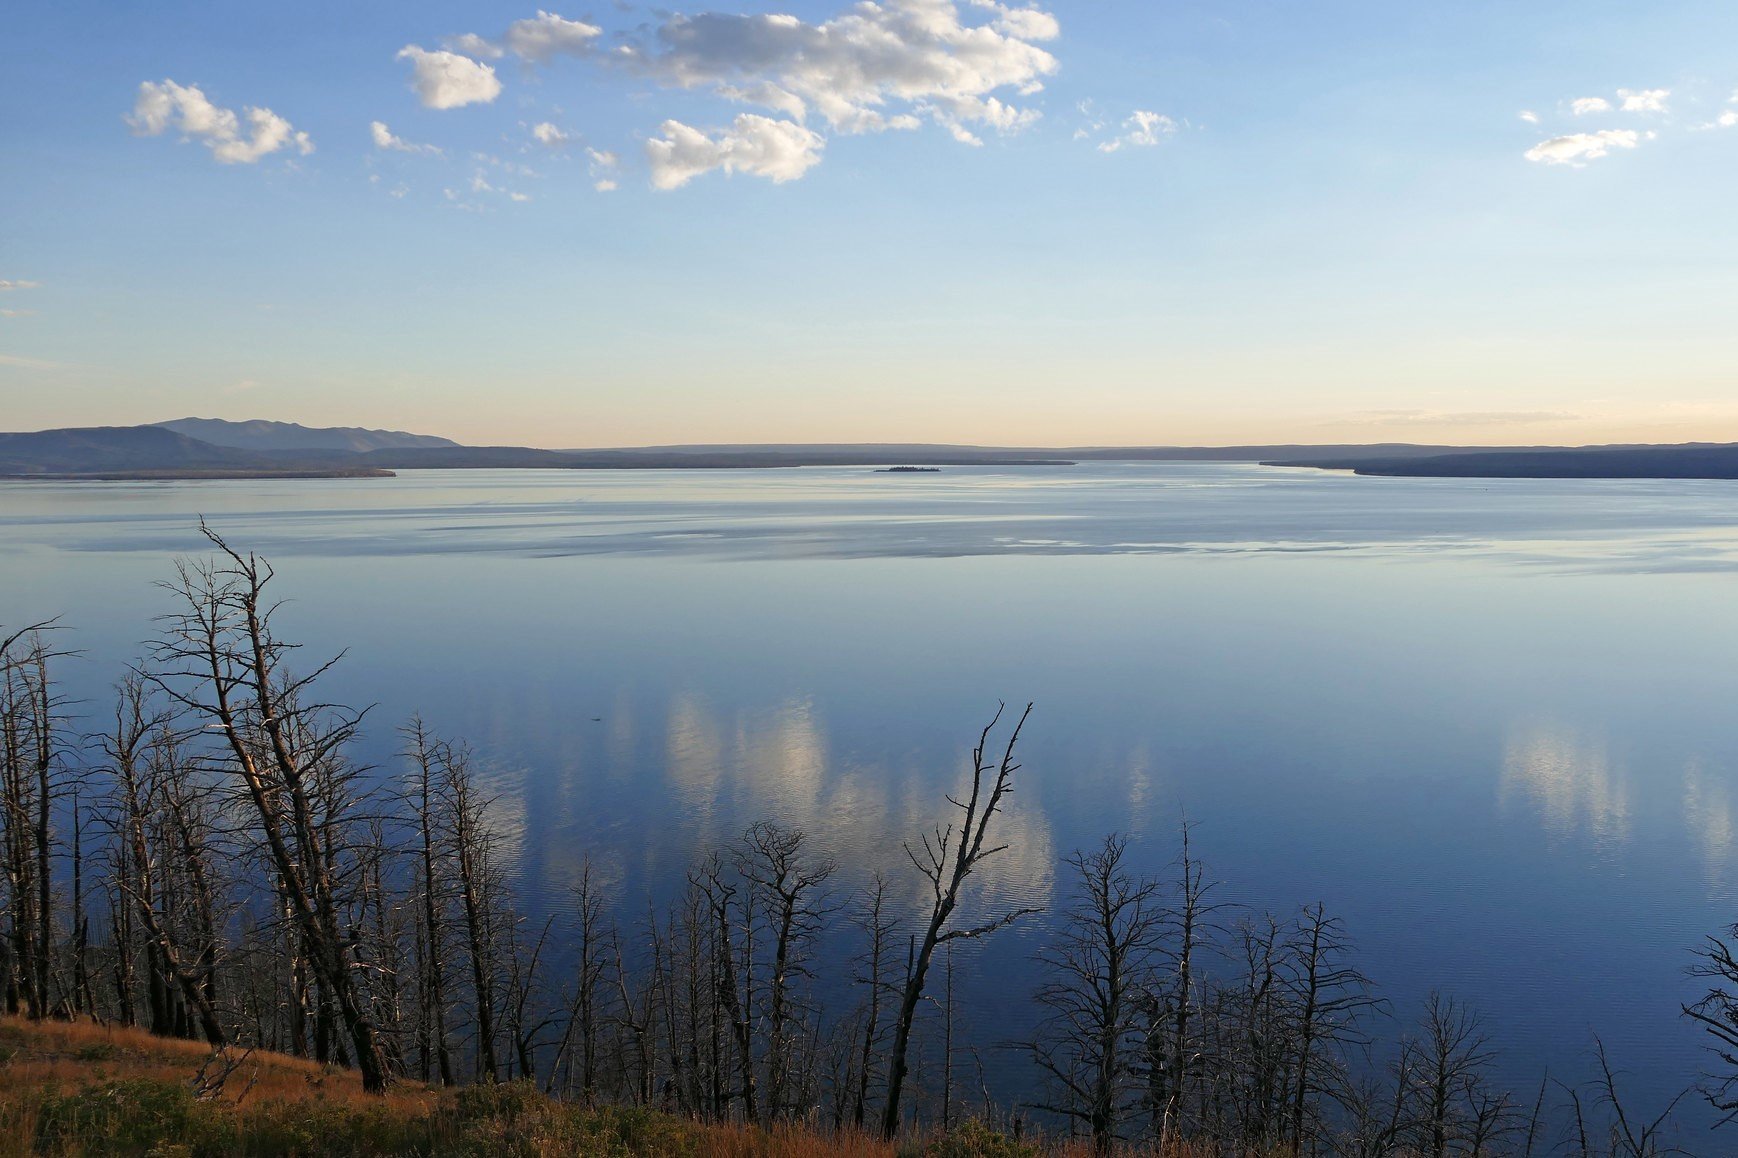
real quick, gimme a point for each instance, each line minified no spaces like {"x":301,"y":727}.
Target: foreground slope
{"x":77,"y":1088}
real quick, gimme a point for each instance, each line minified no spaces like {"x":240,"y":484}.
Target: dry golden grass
{"x":79,"y":1052}
{"x":77,"y":1088}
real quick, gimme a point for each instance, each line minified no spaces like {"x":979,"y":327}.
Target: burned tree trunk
{"x":1101,"y":965}
{"x":948,"y":857}
{"x":789,"y":885}
{"x":424,"y":752}
{"x":221,"y":661}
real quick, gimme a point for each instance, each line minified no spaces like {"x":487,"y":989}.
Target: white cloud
{"x":1579,"y":148}
{"x":1652,"y":100}
{"x":5,"y":313}
{"x":761,"y":146}
{"x":17,"y":284}
{"x":1727,"y":119}
{"x":472,"y":45}
{"x":545,"y":36}
{"x":383,"y":139}
{"x":162,"y":106}
{"x":1585,"y":105}
{"x":540,"y":39}
{"x":480,"y":183}
{"x":550,"y":134}
{"x":603,"y":167}
{"x":1531,"y":117}
{"x":1022,"y":23}
{"x":875,"y":67}
{"x":446,"y":80}
{"x":1142,"y":130}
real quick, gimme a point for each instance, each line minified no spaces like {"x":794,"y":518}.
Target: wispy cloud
{"x":385,"y":140}
{"x":1142,"y":130}
{"x":550,"y":135}
{"x":9,"y":284}
{"x":1577,"y":149}
{"x":546,"y":36}
{"x":162,"y":106}
{"x":603,"y":166}
{"x":1649,"y":100}
{"x":539,"y":39}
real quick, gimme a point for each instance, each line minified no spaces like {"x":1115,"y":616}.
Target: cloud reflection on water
{"x":1570,"y":778}
{"x":1709,"y":821}
{"x":728,"y":769}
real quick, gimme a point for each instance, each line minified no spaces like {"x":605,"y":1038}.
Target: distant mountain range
{"x":260,"y":434}
{"x":214,"y":448}
{"x":157,"y":452}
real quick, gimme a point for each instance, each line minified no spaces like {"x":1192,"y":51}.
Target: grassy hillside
{"x":76,"y":1089}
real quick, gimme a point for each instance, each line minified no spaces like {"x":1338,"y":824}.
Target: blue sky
{"x":920,"y":220}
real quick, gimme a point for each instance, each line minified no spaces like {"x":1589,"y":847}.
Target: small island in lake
{"x":909,"y":470}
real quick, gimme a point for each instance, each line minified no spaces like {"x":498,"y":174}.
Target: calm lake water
{"x":1490,"y":724}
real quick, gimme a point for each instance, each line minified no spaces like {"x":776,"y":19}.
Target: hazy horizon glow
{"x":913,"y":220}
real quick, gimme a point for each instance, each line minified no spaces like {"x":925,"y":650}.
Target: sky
{"x":1074,"y":223}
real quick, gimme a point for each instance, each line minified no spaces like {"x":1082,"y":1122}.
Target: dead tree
{"x":1173,"y":1057}
{"x":1101,"y":964}
{"x":472,"y":850}
{"x":874,"y":973}
{"x":525,"y":1015}
{"x":164,"y":857}
{"x":1328,"y":995}
{"x":1716,"y":1014}
{"x":1453,"y":1057}
{"x":789,"y":887}
{"x":30,"y":758}
{"x":584,"y":1009}
{"x":1627,"y":1135}
{"x":732,"y":975}
{"x":949,"y":855}
{"x":637,"y":1008}
{"x":83,"y":999}
{"x":1251,"y":1043}
{"x":425,"y":754}
{"x":221,"y":661}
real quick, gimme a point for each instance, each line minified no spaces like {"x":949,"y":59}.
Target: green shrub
{"x":128,"y":1117}
{"x":970,"y":1139}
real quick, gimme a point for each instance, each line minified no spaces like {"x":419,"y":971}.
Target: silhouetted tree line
{"x":213,"y":865}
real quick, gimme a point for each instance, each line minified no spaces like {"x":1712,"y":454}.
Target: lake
{"x":1490,"y":724}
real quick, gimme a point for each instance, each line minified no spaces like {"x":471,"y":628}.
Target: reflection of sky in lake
{"x":1488,"y":723}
